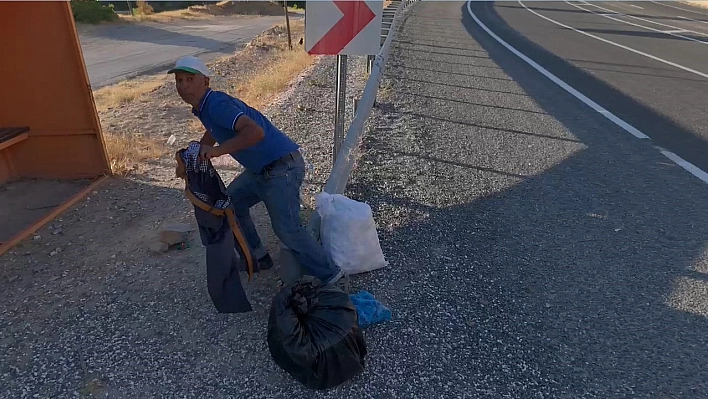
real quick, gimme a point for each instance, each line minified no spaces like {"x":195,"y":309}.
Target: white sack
{"x":348,"y":233}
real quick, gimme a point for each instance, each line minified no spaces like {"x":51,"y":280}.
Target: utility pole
{"x":287,"y":24}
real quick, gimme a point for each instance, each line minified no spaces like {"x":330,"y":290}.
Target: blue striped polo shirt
{"x":219,"y":112}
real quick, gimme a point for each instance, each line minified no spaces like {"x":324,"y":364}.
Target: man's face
{"x":191,"y":87}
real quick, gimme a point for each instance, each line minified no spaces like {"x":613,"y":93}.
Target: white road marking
{"x":632,"y":5}
{"x":642,"y":19}
{"x":691,"y":168}
{"x":580,"y":96}
{"x":667,"y":32}
{"x":691,"y":19}
{"x":653,"y":57}
{"x":694,"y":170}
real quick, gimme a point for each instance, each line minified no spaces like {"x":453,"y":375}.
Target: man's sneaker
{"x":265,"y":263}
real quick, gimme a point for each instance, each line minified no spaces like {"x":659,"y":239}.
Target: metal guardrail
{"x":344,"y":162}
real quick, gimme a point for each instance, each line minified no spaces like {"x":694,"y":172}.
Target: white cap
{"x":190,"y":64}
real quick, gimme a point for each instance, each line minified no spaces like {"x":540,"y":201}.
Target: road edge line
{"x":622,"y":46}
{"x":689,"y":167}
{"x":580,"y":96}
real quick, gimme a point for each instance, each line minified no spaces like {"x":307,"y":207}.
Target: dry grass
{"x":208,"y":11}
{"x":165,"y":16}
{"x":260,"y":88}
{"x":125,"y":92}
{"x":265,"y":86}
{"x":127,"y":152}
{"x":385,"y":91}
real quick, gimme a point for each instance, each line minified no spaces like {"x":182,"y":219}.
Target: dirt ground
{"x":209,"y":11}
{"x":94,"y":311}
{"x":123,"y":215}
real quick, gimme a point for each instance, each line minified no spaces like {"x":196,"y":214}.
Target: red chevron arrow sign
{"x":349,"y":27}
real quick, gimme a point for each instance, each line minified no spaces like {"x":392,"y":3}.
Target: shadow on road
{"x":489,"y":127}
{"x":418,"y":80}
{"x":437,"y":71}
{"x":157,"y":35}
{"x":421,"y":51}
{"x":456,"y":101}
{"x":582,"y":274}
{"x":652,"y":35}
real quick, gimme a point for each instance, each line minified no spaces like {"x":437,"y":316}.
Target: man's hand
{"x":207,"y":152}
{"x":207,"y":139}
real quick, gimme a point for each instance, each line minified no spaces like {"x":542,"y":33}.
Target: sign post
{"x":341,"y":96}
{"x":342,"y":28}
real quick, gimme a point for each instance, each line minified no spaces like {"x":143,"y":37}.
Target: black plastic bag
{"x":313,"y":334}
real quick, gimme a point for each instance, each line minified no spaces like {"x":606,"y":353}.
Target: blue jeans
{"x":279,"y":189}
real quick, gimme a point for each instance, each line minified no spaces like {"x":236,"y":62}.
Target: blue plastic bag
{"x":369,"y":310}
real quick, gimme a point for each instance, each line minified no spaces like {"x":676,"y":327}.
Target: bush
{"x":296,"y":4}
{"x":92,"y":11}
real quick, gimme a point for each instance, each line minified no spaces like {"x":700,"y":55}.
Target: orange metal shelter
{"x":46,"y":93}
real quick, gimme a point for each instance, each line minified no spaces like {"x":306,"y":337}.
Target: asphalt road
{"x":537,"y":249}
{"x":645,"y":62}
{"x":115,"y":52}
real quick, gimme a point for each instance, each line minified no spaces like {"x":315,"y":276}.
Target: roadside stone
{"x":175,"y":233}
{"x":159,"y":247}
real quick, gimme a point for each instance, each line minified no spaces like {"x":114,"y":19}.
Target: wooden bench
{"x":12,"y":135}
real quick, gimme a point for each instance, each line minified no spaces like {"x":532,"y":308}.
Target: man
{"x":274,"y":168}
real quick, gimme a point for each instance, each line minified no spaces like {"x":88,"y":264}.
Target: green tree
{"x":92,"y":11}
